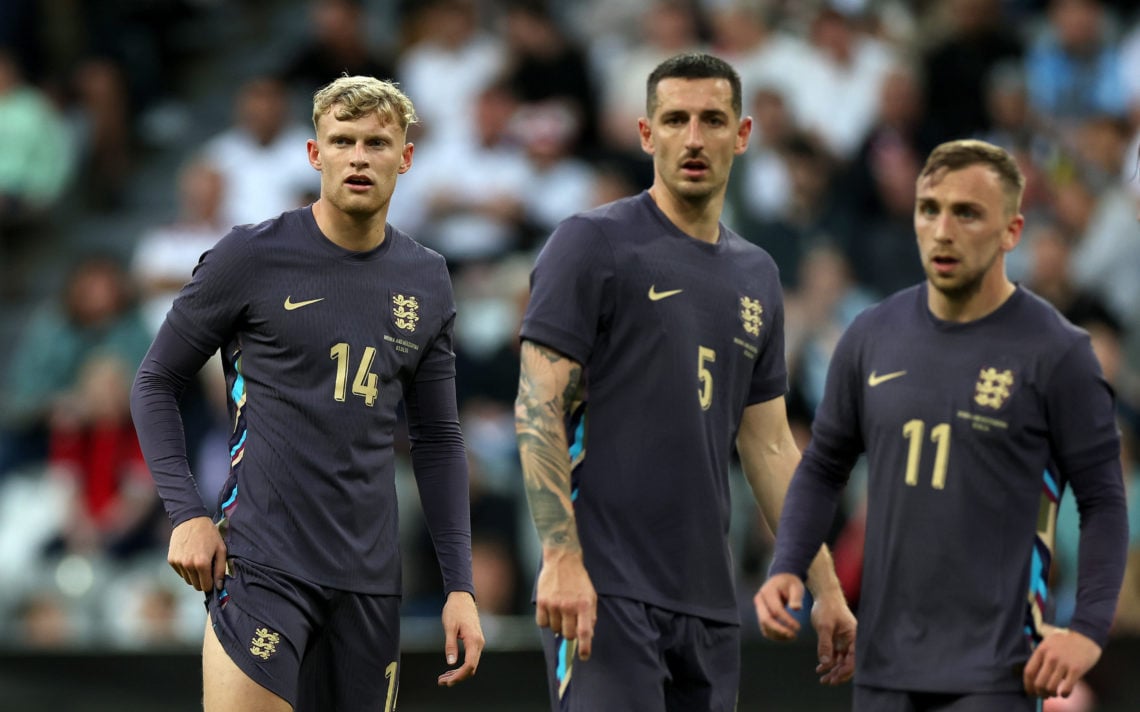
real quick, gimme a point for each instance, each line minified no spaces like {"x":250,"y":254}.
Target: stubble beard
{"x":696,"y":193}
{"x":960,"y":291}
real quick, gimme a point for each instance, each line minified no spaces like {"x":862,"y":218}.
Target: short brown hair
{"x":358,"y":96}
{"x":956,"y":155}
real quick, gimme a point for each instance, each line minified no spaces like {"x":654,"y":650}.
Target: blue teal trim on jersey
{"x":1038,"y":574}
{"x":230,"y":500}
{"x":238,"y":398}
{"x":237,"y":393}
{"x":240,"y":442}
{"x":1044,"y":539}
{"x":578,"y":442}
{"x":574,"y":495}
{"x":560,"y":672}
{"x":1051,"y":485}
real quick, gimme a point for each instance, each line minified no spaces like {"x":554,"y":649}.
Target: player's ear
{"x":406,"y":159}
{"x":646,"y":132}
{"x":314,"y":154}
{"x":742,"y":135}
{"x":1012,"y":234}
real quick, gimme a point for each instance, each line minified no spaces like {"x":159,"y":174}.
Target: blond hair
{"x":358,"y":96}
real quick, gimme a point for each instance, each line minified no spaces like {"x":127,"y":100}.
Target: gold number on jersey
{"x":705,"y":355}
{"x":390,"y":675}
{"x":913,"y":431}
{"x":364,"y":384}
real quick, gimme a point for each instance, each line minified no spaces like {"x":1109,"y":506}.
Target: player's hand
{"x":566,"y":601}
{"x":198,"y":553}
{"x":834,"y":625}
{"x":775,"y":597}
{"x":461,"y":622}
{"x":1061,"y":659}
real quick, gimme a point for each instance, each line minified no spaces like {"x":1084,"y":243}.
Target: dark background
{"x":776,"y":678}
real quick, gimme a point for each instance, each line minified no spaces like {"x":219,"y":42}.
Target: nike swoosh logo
{"x":655,"y":296}
{"x":875,"y":379}
{"x":290,"y":305}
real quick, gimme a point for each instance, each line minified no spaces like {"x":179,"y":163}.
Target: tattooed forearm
{"x":548,"y":388}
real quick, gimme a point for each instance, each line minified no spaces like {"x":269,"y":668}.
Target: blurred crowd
{"x":528,"y":113}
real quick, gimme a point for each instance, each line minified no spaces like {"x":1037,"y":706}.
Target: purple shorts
{"x":315,"y":647}
{"x":647,"y":659}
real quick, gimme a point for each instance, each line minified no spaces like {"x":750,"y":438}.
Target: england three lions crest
{"x":993,"y":387}
{"x":750,"y":311}
{"x":264,"y":643}
{"x":405,"y":311}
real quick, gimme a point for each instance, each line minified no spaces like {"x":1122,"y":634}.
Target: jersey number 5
{"x":940,"y":436}
{"x":705,"y":356}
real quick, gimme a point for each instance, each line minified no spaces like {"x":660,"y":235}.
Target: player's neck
{"x":358,"y":234}
{"x":964,"y":308}
{"x":699,"y":220}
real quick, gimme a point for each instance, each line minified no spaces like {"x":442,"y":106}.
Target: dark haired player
{"x":653,"y":339}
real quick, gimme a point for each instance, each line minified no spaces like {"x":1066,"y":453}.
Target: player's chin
{"x":360,"y":205}
{"x":696,"y":189}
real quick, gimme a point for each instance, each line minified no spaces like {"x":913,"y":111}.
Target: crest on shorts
{"x":750,"y":311}
{"x":406,"y":310}
{"x":993,"y":387}
{"x":264,"y":643}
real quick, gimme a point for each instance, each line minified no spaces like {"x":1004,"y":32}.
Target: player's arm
{"x":196,"y":551}
{"x":769,"y":456}
{"x":1084,"y":437}
{"x":549,"y":385}
{"x":439,"y":461}
{"x":1065,"y":655}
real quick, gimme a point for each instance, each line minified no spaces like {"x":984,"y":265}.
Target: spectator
{"x":767,"y":59}
{"x":561,"y":184}
{"x":1012,"y":123}
{"x":1048,"y":252}
{"x":1073,"y":66}
{"x":338,"y":44}
{"x":113,"y":508}
{"x":668,"y":28}
{"x":846,"y":69}
{"x":880,"y":183}
{"x":165,"y":256}
{"x":1106,"y":253}
{"x":766,"y":188}
{"x":544,"y":65}
{"x":466,"y":201}
{"x":448,"y":66}
{"x":95,"y":313}
{"x":958,"y":65}
{"x":825,"y":302}
{"x":99,"y":105}
{"x":814,"y":212}
{"x":261,"y":156}
{"x":36,"y":163}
